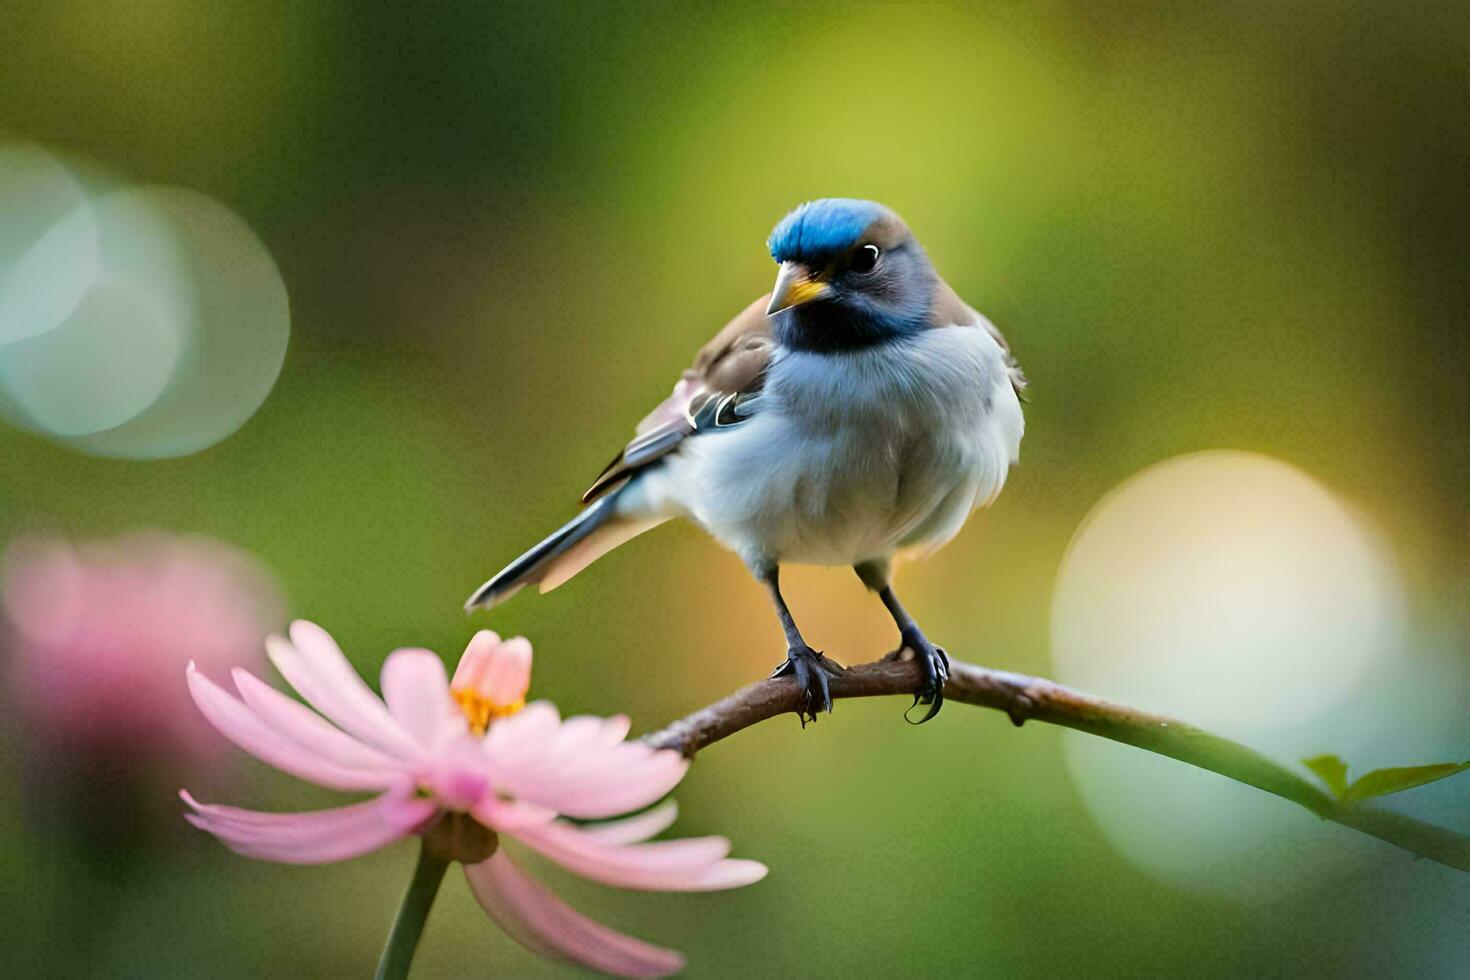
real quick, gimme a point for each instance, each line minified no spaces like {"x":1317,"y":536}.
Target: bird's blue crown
{"x":820,"y":228}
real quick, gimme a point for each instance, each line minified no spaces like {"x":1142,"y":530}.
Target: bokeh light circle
{"x":147,"y":322}
{"x":49,"y":250}
{"x":1235,"y":592}
{"x":107,"y":362}
{"x":120,"y":347}
{"x":235,"y":338}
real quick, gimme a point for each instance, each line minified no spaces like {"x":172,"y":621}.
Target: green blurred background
{"x":504,"y":229}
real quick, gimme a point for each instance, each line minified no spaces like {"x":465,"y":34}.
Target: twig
{"x":1026,"y":698}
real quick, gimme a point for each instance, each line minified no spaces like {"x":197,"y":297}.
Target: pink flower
{"x":464,"y":765}
{"x":492,"y":678}
{"x":99,"y":631}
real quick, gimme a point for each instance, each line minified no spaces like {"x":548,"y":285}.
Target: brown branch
{"x":1026,"y":698}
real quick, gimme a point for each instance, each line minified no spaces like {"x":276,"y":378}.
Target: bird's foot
{"x":933,"y":662}
{"x":811,"y":671}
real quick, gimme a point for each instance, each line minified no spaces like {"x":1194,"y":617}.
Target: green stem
{"x":409,"y":924}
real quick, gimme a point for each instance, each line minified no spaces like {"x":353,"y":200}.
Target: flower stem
{"x":409,"y":924}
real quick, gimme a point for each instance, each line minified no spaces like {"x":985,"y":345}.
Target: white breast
{"x":855,"y":456}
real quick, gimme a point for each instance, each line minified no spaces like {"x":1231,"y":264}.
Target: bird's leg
{"x":808,"y":666}
{"x":932,"y":660}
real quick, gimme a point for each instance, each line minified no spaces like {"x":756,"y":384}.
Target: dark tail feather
{"x":534,"y":564}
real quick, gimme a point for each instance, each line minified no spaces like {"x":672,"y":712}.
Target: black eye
{"x":865,"y":258}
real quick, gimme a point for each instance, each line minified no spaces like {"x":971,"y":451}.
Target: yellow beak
{"x":795,"y":285}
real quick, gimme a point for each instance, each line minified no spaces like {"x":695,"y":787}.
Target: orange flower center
{"x":480,"y":711}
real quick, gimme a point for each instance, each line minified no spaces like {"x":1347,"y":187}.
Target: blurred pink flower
{"x":463,"y":765}
{"x":98,"y":632}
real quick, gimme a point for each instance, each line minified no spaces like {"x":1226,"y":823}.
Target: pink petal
{"x":475,"y":661}
{"x":635,"y":829}
{"x":567,"y":754}
{"x":627,"y":777}
{"x":614,"y":730}
{"x":544,"y":924}
{"x":319,"y":837}
{"x":508,"y":675}
{"x":309,"y":729}
{"x":526,"y":732}
{"x":688,"y":865}
{"x":315,"y":667}
{"x":417,"y":691}
{"x":458,"y":773}
{"x":578,"y":737}
{"x":240,"y":725}
{"x":334,"y":677}
{"x":497,"y":671}
{"x":579,"y":767}
{"x":509,"y":816}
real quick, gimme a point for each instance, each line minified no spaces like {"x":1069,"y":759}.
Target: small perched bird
{"x":858,"y":412}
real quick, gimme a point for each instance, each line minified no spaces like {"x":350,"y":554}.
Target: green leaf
{"x":1332,"y":771}
{"x":1381,"y":782}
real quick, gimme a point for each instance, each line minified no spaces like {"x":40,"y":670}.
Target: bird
{"x":855,"y":415}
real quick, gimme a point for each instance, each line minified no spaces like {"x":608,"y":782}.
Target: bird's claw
{"x":934,"y":664}
{"x":811,"y":670}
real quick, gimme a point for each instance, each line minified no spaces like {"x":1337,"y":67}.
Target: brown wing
{"x":727,"y":373}
{"x":950,"y":310}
